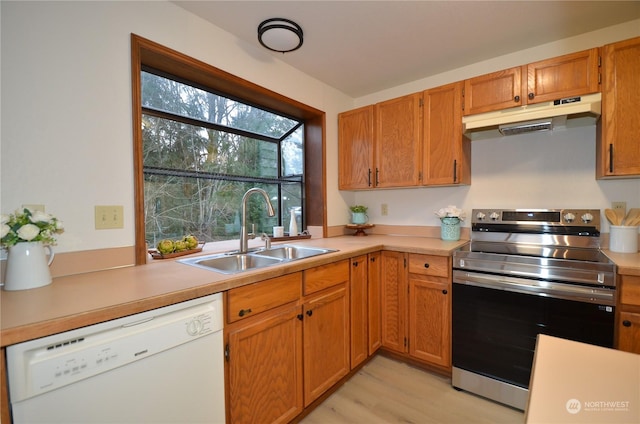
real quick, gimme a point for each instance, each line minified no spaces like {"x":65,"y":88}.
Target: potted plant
{"x":450,"y":217}
{"x":359,"y":214}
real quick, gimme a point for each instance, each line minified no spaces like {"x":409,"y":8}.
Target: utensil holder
{"x":623,"y":239}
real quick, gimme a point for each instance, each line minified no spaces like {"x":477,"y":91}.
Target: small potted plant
{"x":359,"y":214}
{"x":450,"y":217}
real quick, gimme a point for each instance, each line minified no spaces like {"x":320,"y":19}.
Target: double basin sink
{"x":232,"y":263}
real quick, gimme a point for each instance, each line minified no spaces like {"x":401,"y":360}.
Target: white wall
{"x":66,"y":136}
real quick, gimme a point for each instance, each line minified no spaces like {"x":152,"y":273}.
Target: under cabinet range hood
{"x":558,"y":114}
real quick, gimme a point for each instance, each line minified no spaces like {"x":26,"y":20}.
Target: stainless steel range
{"x":526,"y":272}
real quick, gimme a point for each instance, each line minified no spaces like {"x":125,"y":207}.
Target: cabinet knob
{"x":300,"y":316}
{"x":626,"y":323}
{"x":244,"y":312}
{"x":426,"y":265}
{"x":309,"y":312}
{"x":355,"y":263}
{"x":531,"y":96}
{"x":516,"y":99}
{"x":445,"y":291}
{"x":373,"y":259}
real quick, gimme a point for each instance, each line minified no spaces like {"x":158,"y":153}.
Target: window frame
{"x":148,"y":54}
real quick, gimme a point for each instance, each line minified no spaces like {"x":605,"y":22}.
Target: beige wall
{"x":66,"y":136}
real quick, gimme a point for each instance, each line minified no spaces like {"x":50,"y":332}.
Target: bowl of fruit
{"x":167,"y":248}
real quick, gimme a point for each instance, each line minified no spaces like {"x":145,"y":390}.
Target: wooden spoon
{"x":633,"y":217}
{"x":611,"y":216}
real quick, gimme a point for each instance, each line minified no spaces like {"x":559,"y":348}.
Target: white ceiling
{"x":361,"y":47}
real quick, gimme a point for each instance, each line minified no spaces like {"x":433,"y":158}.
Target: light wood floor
{"x":388,"y":391}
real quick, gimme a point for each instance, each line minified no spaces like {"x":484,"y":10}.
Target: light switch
{"x":109,"y":217}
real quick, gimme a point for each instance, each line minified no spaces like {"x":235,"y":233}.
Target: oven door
{"x":496,"y":321}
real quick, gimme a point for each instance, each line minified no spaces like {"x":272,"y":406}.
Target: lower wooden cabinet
{"x":628,"y":313}
{"x":326,"y":341}
{"x":264,"y":359}
{"x":416,"y":306}
{"x":374,"y":301}
{"x":359,"y":310}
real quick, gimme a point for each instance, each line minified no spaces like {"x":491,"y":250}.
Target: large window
{"x":203,"y":150}
{"x":209,"y":149}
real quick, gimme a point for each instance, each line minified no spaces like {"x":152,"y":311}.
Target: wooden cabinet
{"x":265,"y":368}
{"x":356,"y":147}
{"x":393,"y":272}
{"x":264,"y":351}
{"x":556,"y":78}
{"x":416,"y":306}
{"x":430,"y":309}
{"x":446,"y":152}
{"x":326,"y":340}
{"x":494,"y":91}
{"x":628,"y":318}
{"x":358,"y":295}
{"x":398,"y":143}
{"x":374,"y":302}
{"x":287,"y":342}
{"x":618,"y":130}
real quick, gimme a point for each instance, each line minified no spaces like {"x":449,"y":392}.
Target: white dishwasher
{"x":161,"y":366}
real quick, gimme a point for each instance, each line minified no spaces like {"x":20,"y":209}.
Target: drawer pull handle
{"x":444,"y":291}
{"x":626,"y":323}
{"x":426,"y":265}
{"x":244,"y":312}
{"x":310,"y":312}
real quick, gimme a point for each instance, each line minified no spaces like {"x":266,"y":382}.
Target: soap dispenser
{"x":293,"y":225}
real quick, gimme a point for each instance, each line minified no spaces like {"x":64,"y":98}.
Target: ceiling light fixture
{"x":280,"y":35}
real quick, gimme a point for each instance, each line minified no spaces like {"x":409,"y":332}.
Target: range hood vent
{"x":548,"y":116}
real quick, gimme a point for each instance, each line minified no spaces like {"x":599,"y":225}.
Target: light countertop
{"x":84,"y":299}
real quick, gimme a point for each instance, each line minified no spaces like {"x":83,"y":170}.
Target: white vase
{"x":28,"y":266}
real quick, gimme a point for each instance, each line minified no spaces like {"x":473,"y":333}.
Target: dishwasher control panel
{"x":42,"y":365}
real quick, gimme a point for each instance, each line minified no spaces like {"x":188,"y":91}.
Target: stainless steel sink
{"x":232,"y":263}
{"x":293,"y":252}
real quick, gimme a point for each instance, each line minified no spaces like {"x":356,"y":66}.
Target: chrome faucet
{"x":244,"y":236}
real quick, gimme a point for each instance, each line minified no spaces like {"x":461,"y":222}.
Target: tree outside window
{"x":202,"y":151}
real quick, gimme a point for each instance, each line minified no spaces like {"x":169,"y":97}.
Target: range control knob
{"x":494,"y":216}
{"x":569,"y":217}
{"x":586,"y":218}
{"x":480,"y":216}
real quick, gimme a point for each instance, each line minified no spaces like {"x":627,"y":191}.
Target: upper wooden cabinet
{"x":494,"y":91}
{"x":618,"y":132}
{"x":446,"y":153}
{"x":564,"y":76}
{"x":380,"y":145}
{"x":355,"y":155}
{"x":559,"y":77}
{"x":397,"y":146}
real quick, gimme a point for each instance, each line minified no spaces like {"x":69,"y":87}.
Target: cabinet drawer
{"x":319,"y":278}
{"x":247,"y":301}
{"x":437,"y":266}
{"x":630,"y":290}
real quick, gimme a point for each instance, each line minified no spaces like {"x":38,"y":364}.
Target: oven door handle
{"x":536,"y":287}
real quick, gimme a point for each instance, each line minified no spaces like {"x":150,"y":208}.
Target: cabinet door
{"x":355,"y":149}
{"x":358,"y":300}
{"x":618,"y":133}
{"x":564,"y":76}
{"x":446,"y":153}
{"x":494,"y":91}
{"x":265,"y":367}
{"x":429,"y":320}
{"x":394,"y":300}
{"x":398,"y":157}
{"x":374,"y":294}
{"x":629,"y":332}
{"x":326,"y":341}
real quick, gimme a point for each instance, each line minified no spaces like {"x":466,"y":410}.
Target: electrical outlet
{"x":384,"y":209}
{"x":109,"y":217}
{"x":619,"y":205}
